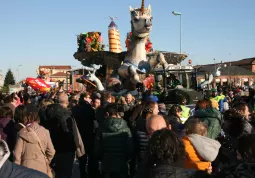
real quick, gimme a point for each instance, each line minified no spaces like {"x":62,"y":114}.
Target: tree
{"x":9,"y":78}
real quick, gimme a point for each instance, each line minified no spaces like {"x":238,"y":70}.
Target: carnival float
{"x":140,"y":67}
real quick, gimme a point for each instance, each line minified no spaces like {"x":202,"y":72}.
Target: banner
{"x":38,"y":84}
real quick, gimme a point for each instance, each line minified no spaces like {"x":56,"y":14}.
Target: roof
{"x":55,"y":67}
{"x":228,"y":70}
{"x":59,"y":74}
{"x":241,"y":62}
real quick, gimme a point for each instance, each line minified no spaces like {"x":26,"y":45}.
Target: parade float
{"x":138,"y":67}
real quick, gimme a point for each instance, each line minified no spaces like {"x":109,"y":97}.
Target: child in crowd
{"x":200,"y":150}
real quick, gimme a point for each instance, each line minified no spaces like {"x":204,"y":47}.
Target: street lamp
{"x":18,"y":72}
{"x":179,"y":14}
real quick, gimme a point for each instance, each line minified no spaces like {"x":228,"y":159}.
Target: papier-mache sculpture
{"x":136,"y":61}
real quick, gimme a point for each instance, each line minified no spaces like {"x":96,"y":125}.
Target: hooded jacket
{"x":213,"y":119}
{"x":27,"y":151}
{"x":200,"y":151}
{"x":12,"y":170}
{"x":114,"y":145}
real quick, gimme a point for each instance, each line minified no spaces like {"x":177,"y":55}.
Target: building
{"x":230,"y":75}
{"x":248,"y":63}
{"x":57,"y":73}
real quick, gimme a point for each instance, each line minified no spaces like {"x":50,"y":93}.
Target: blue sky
{"x":42,"y":32}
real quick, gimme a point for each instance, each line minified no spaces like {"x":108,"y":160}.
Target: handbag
{"x":50,"y":172}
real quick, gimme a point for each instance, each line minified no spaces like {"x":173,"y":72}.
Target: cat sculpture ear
{"x":131,"y":9}
{"x":149,"y":8}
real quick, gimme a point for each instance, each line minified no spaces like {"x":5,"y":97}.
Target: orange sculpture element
{"x":38,"y":84}
{"x":149,"y":82}
{"x":114,"y":38}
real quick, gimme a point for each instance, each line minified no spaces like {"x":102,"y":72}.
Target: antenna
{"x":112,"y":18}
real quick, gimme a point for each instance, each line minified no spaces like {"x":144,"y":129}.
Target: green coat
{"x":114,"y":145}
{"x":213,"y":119}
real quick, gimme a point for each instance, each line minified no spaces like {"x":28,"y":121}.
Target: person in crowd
{"x":12,"y":170}
{"x":162,"y":109}
{"x":73,"y":101}
{"x":105,"y":101}
{"x":175,"y":113}
{"x":174,"y":119}
{"x":243,"y":110}
{"x":164,"y":157}
{"x":155,"y":123}
{"x":10,"y":102}
{"x":96,"y":103}
{"x":210,"y":116}
{"x":128,"y":103}
{"x":84,"y":115}
{"x":7,"y":127}
{"x":42,"y":112}
{"x":234,"y":128}
{"x":20,"y":123}
{"x":140,"y":131}
{"x":34,"y":148}
{"x":114,"y":144}
{"x":245,"y":168}
{"x":200,"y":150}
{"x":220,"y":98}
{"x":60,"y":126}
{"x":186,"y":112}
{"x":226,"y":104}
{"x":27,"y":102}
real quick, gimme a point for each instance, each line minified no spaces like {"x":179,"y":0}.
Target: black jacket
{"x":60,"y":127}
{"x":12,"y":170}
{"x":242,"y":170}
{"x":169,"y":171}
{"x":114,"y":145}
{"x":141,"y":138}
{"x":84,"y":115}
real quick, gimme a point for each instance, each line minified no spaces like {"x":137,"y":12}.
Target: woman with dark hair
{"x":174,"y":119}
{"x":42,"y":112}
{"x":34,"y":148}
{"x":164,"y":157}
{"x":243,"y":110}
{"x":245,"y":168}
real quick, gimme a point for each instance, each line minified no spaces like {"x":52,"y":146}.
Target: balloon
{"x":38,"y":84}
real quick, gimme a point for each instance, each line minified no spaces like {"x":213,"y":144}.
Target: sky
{"x":43,"y":32}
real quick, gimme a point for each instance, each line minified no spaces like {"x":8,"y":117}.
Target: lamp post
{"x":179,"y":14}
{"x":18,"y":72}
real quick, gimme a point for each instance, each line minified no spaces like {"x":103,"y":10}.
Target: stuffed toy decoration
{"x":91,"y":41}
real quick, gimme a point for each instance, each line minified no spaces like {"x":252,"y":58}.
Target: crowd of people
{"x":42,"y":135}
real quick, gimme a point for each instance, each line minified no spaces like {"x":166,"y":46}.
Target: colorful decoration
{"x":91,"y":41}
{"x":149,"y":82}
{"x":148,"y":43}
{"x":38,"y":84}
{"x":43,"y":73}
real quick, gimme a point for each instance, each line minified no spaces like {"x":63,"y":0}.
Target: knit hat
{"x":152,"y":98}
